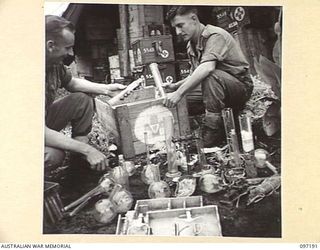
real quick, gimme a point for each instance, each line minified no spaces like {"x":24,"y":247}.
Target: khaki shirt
{"x":57,"y":76}
{"x":216,"y":44}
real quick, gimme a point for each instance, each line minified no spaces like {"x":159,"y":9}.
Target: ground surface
{"x":262,"y":219}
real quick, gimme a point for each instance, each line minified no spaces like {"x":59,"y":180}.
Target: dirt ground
{"x":262,"y":219}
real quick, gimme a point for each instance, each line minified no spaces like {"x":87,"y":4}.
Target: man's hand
{"x":170,"y":86}
{"x":97,"y":160}
{"x":172,"y":99}
{"x":114,"y":88}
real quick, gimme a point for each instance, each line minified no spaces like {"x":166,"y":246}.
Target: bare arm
{"x":58,"y":140}
{"x":200,"y":73}
{"x":83,"y":85}
{"x":174,"y":86}
{"x":96,"y":159}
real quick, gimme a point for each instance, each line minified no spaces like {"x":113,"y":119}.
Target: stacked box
{"x":167,"y":71}
{"x":157,"y":49}
{"x":183,"y":69}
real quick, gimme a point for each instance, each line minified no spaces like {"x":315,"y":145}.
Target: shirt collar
{"x":199,"y":46}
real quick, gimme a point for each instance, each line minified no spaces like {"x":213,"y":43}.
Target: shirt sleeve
{"x":216,"y":48}
{"x":65,"y":76}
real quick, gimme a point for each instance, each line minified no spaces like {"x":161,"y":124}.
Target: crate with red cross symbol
{"x":167,"y":72}
{"x":157,"y":49}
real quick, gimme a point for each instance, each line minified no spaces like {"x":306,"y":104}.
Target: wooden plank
{"x":137,"y":107}
{"x":105,"y":114}
{"x":160,"y":109}
{"x":124,"y":51}
{"x":122,"y":114}
{"x":139,"y":94}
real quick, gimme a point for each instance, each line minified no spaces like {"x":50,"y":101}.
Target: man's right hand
{"x":170,"y":86}
{"x":97,"y":160}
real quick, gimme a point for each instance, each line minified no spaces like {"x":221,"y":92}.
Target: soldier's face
{"x":185,"y":25}
{"x":59,"y":49}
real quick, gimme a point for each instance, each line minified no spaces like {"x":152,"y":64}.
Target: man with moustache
{"x":217,"y":63}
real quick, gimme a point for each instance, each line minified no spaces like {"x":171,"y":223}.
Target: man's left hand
{"x":172,"y":99}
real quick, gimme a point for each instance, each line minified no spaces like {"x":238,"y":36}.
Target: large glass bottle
{"x":119,"y":201}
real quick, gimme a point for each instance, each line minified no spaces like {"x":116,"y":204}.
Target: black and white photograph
{"x":162,"y":120}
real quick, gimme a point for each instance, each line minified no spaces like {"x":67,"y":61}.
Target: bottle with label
{"x":247,"y":144}
{"x":246,"y":133}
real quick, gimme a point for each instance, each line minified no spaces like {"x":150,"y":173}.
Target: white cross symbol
{"x":239,"y":14}
{"x":169,"y":79}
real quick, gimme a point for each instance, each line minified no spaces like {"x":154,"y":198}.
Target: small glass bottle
{"x":247,"y":145}
{"x":246,"y":133}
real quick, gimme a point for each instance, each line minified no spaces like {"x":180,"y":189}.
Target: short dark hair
{"x":180,"y":10}
{"x":55,"y":25}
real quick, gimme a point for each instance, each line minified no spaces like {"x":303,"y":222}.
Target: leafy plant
{"x":270,"y":73}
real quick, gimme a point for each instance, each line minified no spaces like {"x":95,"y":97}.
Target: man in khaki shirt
{"x":217,"y":63}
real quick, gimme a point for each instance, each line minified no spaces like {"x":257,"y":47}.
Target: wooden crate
{"x":205,"y":218}
{"x":133,"y":119}
{"x":106,"y":114}
{"x":144,"y":51}
{"x":167,"y":203}
{"x":183,"y":69}
{"x":167,"y":71}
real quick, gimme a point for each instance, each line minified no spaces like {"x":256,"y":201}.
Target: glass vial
{"x":231,"y":135}
{"x":247,"y":145}
{"x":246,"y":133}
